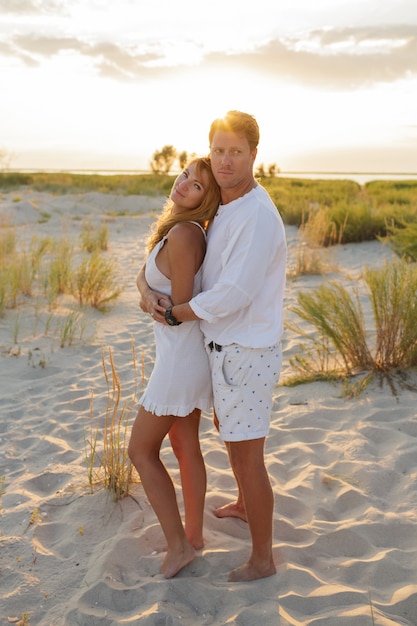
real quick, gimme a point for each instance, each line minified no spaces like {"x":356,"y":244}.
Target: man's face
{"x":231,"y":159}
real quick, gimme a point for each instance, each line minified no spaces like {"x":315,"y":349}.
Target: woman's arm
{"x":185,"y":251}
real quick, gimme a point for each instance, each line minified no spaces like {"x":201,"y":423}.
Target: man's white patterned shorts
{"x":243,"y":383}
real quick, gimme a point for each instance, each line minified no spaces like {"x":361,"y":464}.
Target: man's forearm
{"x":184,"y":313}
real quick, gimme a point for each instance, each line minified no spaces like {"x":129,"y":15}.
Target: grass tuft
{"x":92,"y":239}
{"x":342,"y":345}
{"x":403,"y":240}
{"x":95,"y":282}
{"x":107,"y":458}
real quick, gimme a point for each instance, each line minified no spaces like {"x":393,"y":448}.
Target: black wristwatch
{"x":171,"y":319}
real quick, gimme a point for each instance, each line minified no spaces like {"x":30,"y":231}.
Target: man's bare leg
{"x":232,"y":509}
{"x":247,"y":459}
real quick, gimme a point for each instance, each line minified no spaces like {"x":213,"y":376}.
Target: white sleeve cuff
{"x":201,"y":313}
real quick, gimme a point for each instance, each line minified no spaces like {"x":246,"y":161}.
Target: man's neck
{"x":228,"y":195}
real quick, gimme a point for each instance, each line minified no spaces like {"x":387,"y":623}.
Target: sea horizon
{"x":359,"y":177}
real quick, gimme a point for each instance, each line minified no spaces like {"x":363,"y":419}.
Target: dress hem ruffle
{"x":177,"y":411}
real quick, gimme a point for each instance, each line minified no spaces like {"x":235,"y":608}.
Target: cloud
{"x":31,"y":7}
{"x":112,"y":60}
{"x":48,"y":46}
{"x":121,"y":63}
{"x":8,"y":50}
{"x":345,"y":58}
{"x":19,"y":7}
{"x":331,"y":58}
{"x":362,"y":34}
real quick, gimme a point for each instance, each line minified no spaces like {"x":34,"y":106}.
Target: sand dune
{"x":344,"y":474}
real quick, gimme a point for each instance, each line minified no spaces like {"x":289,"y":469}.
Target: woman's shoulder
{"x":187,"y":232}
{"x":186,"y":240}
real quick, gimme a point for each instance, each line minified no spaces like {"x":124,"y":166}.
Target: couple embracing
{"x":214,"y":283}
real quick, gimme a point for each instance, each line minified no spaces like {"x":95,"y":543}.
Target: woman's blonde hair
{"x":203,"y":214}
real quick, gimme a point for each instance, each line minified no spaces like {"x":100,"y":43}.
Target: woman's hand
{"x":151,"y":302}
{"x":155,"y":304}
{"x":164,"y":302}
{"x":159,"y":309}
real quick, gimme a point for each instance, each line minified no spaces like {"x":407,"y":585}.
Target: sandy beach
{"x":344,"y":471}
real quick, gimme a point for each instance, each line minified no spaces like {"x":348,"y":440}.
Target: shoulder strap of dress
{"x":199,"y":225}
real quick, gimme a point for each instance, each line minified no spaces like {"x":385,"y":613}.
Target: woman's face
{"x":188,"y":191}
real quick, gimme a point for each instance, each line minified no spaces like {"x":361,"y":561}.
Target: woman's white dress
{"x":180,"y":380}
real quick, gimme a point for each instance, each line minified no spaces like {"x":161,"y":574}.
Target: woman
{"x":180,"y":384}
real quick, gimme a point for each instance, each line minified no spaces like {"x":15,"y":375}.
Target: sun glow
{"x":104,"y":87}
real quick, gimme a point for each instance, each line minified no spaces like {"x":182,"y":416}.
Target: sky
{"x":100,"y":84}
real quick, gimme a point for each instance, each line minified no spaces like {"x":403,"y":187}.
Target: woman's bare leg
{"x":184,"y":437}
{"x":146,"y":439}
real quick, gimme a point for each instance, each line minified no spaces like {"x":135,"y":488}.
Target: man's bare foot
{"x":175,"y":561}
{"x":234,"y":509}
{"x":248,"y":572}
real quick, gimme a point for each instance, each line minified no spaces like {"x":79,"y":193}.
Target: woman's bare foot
{"x":175,"y":561}
{"x":248,"y":572}
{"x":234,"y":509}
{"x":196,"y":542}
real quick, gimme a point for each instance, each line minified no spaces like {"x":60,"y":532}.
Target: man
{"x":240,"y":309}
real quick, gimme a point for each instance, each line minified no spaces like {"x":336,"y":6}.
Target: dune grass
{"x":312,"y":254}
{"x":106,"y":445}
{"x":341,"y":345}
{"x":55,"y":282}
{"x":403,"y":240}
{"x":327,"y":212}
{"x":55,"y":272}
{"x":95,"y":282}
{"x":93,"y":239}
{"x":356,"y":213}
{"x":36,"y":275}
{"x":66,"y":182}
{"x":48,"y":269}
